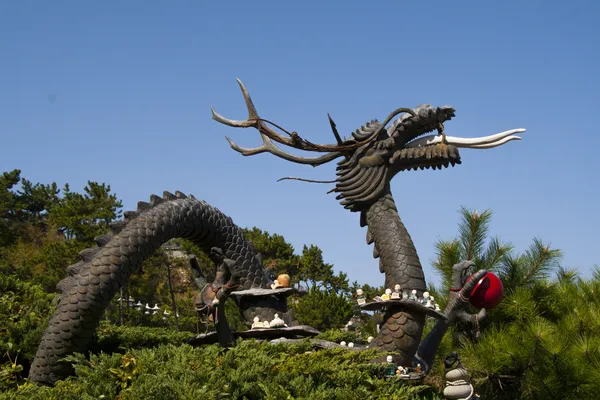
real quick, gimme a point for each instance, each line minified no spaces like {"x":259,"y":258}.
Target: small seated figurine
{"x":350,"y":344}
{"x":370,"y":339}
{"x":360,"y":297}
{"x":282,"y":281}
{"x":397,"y":292}
{"x":342,"y":343}
{"x":266,"y":324}
{"x":277,"y":322}
{"x":404,"y":295}
{"x":413,"y":295}
{"x":431,"y":302}
{"x":257,"y":324}
{"x":425,"y":298}
{"x":402,"y":371}
{"x":391,"y":367}
{"x":387,"y":295}
{"x":418,"y":369}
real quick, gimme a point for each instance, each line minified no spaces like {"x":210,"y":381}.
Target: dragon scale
{"x":401,"y":330}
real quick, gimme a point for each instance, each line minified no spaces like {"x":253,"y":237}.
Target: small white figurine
{"x":369,"y":339}
{"x":342,"y":343}
{"x":425,"y":298}
{"x":397,"y":292}
{"x":431,"y":302}
{"x":389,"y":359}
{"x":387,"y":295}
{"x":257,"y":324}
{"x":277,"y":322}
{"x":413,"y":295}
{"x":266,"y":324}
{"x":350,"y":344}
{"x":362,"y":299}
{"x":404,"y":295}
{"x":437,"y":307}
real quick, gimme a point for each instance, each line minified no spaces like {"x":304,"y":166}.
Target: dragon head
{"x":375,"y":153}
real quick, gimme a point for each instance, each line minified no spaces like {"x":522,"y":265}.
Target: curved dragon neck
{"x":394,"y":247}
{"x":104,"y":269}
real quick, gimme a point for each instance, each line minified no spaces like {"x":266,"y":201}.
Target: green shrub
{"x":251,"y":370}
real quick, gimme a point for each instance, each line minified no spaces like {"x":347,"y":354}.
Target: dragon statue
{"x":370,"y":158}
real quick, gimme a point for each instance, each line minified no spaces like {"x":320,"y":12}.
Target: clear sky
{"x":120,"y":92}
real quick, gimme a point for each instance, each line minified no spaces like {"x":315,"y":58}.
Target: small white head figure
{"x":389,"y":359}
{"x":397,"y":288}
{"x":350,"y":344}
{"x":359,"y":292}
{"x":256,"y":319}
{"x":425,"y":295}
{"x":414,"y":291}
{"x":342,"y":343}
{"x":388,"y":291}
{"x":369,"y":339}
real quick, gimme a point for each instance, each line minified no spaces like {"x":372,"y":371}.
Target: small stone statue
{"x":257,"y":324}
{"x":342,"y":343}
{"x":437,"y":307}
{"x":282,"y":281}
{"x":362,"y":299}
{"x":431,"y":302}
{"x":350,"y":344}
{"x":402,"y":371}
{"x":370,"y":339}
{"x":404,"y":295}
{"x":397,"y":292}
{"x":418,"y":368}
{"x":387,"y":295}
{"x":413,"y":295}
{"x":391,"y":367}
{"x":277,"y":322}
{"x":425,"y":298}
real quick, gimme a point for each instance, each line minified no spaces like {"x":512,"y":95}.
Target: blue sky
{"x":120,"y":92}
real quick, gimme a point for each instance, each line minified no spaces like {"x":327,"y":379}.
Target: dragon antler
{"x":268,"y":135}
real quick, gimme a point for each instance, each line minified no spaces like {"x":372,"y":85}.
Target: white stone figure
{"x":350,"y":344}
{"x":425,"y":298}
{"x":404,"y":295}
{"x":277,"y":322}
{"x":437,"y":307}
{"x":370,"y":339}
{"x":387,"y":295}
{"x":431,"y":302}
{"x":397,"y":292}
{"x":266,"y":324}
{"x":360,"y":297}
{"x":389,"y":359}
{"x":342,"y":343}
{"x":257,"y":324}
{"x":413,"y":295}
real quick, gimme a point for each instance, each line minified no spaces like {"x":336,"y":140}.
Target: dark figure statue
{"x":370,"y":159}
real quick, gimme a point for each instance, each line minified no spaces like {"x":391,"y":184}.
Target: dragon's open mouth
{"x":437,"y":151}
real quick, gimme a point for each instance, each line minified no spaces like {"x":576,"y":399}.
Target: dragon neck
{"x":397,"y":254}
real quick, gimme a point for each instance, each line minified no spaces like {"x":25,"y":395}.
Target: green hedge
{"x":251,"y":370}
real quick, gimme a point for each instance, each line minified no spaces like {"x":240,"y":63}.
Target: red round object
{"x":488,"y":292}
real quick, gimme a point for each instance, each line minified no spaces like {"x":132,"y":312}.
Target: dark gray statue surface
{"x":372,"y":156}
